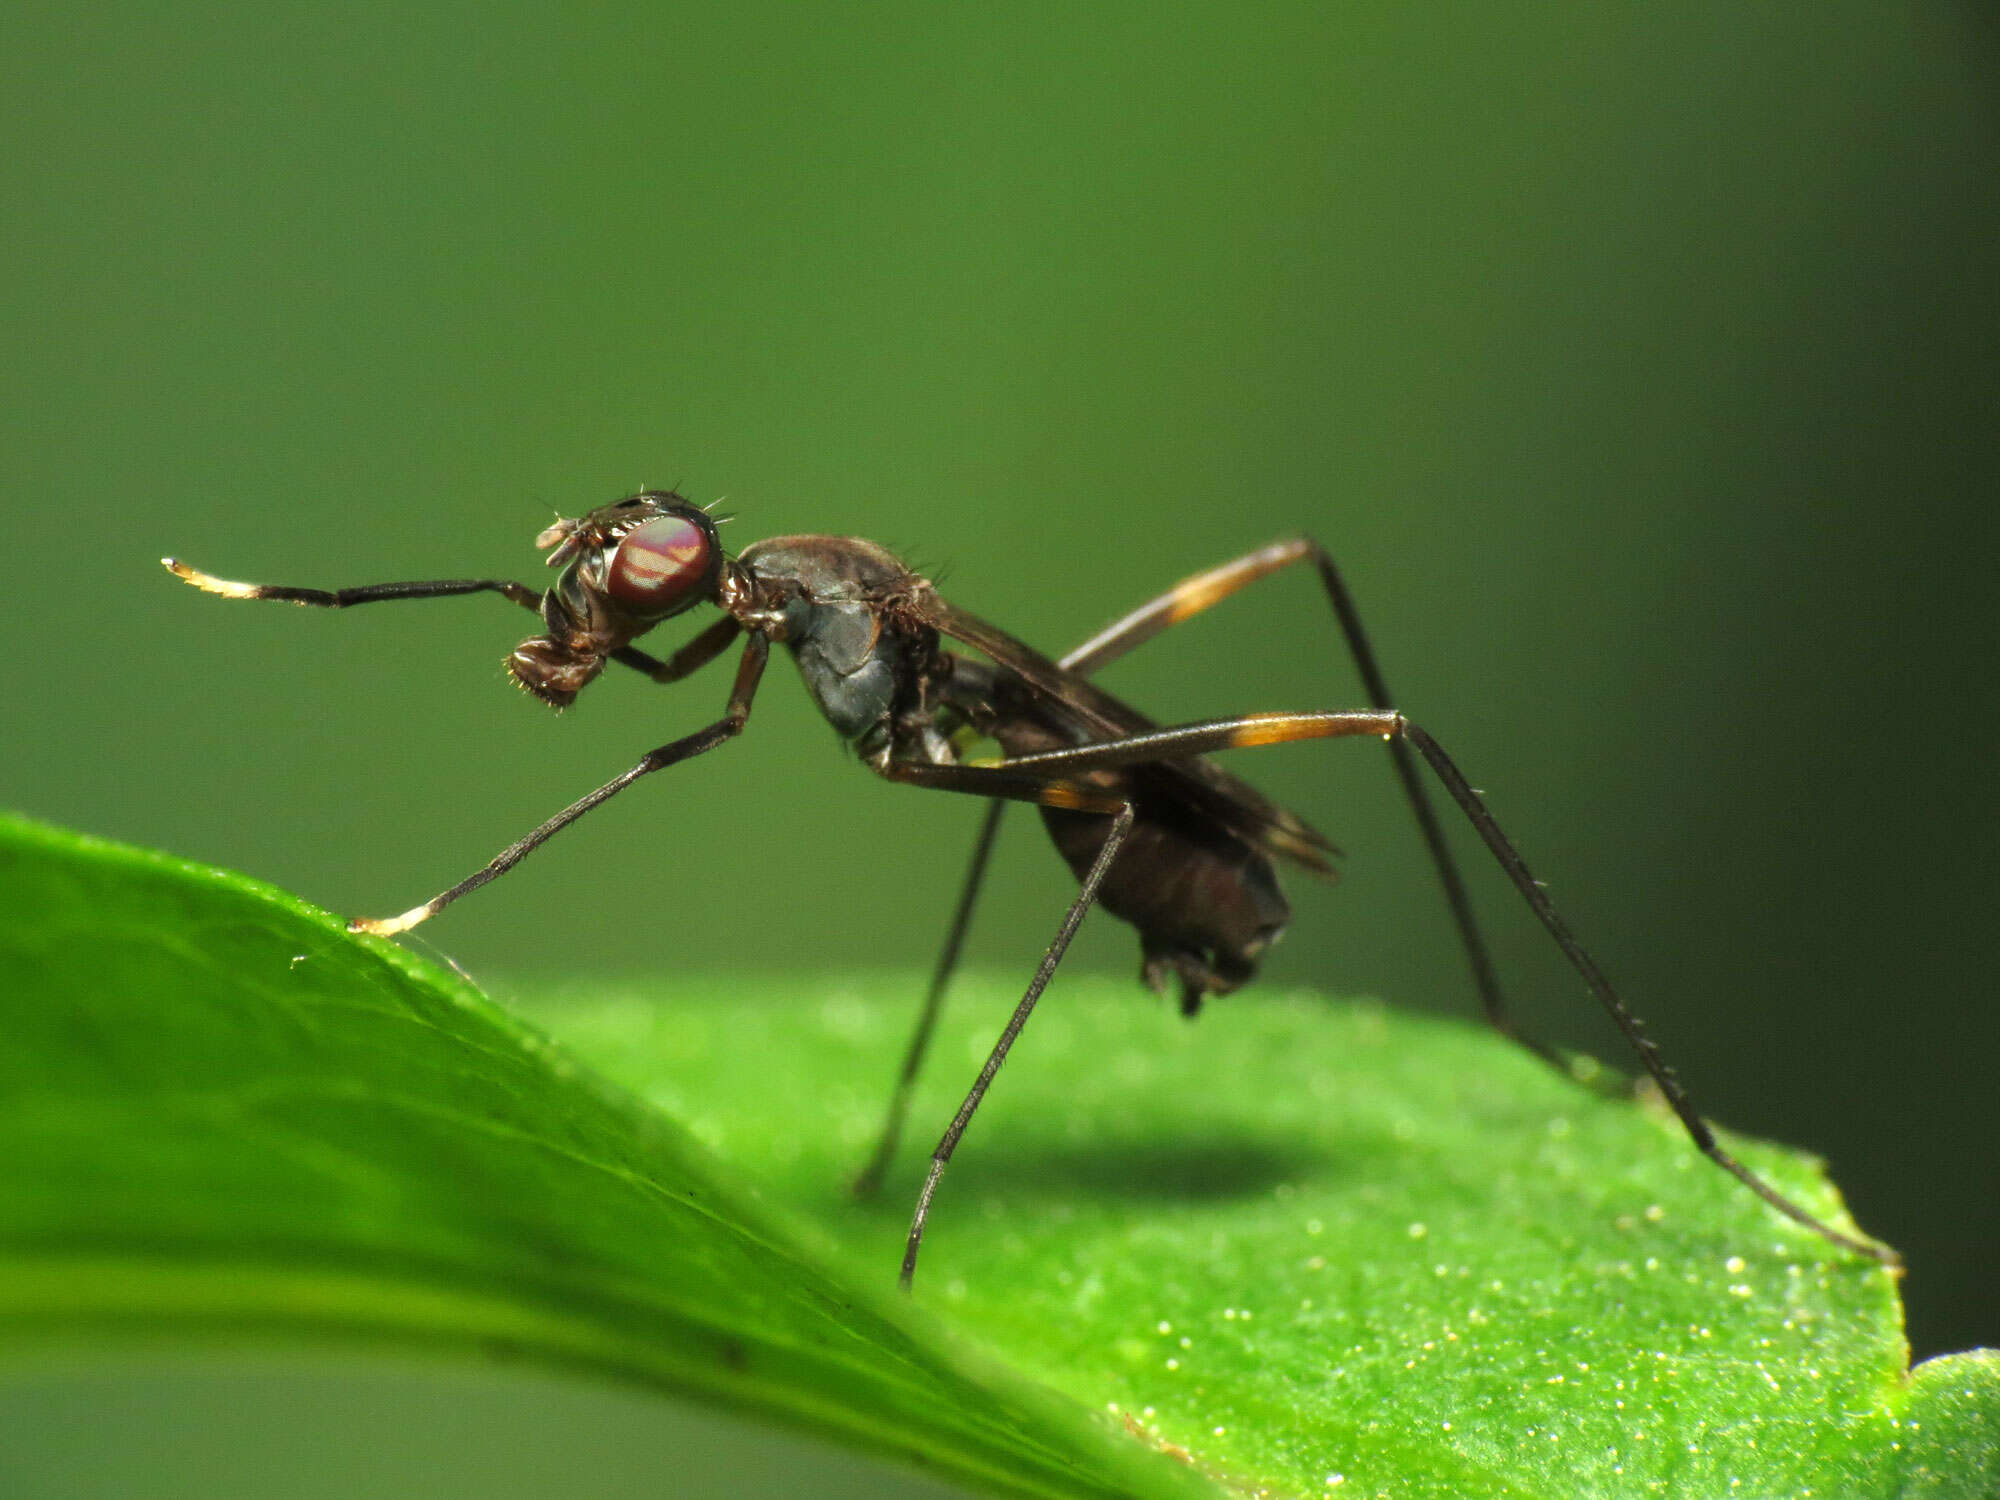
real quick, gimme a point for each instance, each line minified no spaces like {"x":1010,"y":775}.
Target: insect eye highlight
{"x":662,"y":565}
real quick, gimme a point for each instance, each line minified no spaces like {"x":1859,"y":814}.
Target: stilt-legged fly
{"x":1156,"y":833}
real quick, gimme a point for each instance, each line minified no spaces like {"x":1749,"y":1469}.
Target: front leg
{"x":755,"y":655}
{"x":697,"y":653}
{"x":372,"y":593}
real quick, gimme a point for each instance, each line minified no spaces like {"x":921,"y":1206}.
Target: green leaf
{"x":1314,"y":1248}
{"x":222,"y":1116}
{"x":1334,"y":1249}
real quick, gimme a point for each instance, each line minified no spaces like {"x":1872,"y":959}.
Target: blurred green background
{"x":1639,"y":364}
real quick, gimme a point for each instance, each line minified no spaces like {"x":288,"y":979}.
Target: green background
{"x":1638,"y":363}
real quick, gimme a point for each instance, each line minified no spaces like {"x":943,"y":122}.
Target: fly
{"x":1156,"y":833}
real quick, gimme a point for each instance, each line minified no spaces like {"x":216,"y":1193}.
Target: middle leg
{"x":1048,"y":791}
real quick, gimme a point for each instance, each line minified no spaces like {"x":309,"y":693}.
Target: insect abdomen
{"x":1206,"y":904}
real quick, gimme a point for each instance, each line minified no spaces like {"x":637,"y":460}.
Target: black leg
{"x":755,"y":654}
{"x":1017,"y":787}
{"x":372,"y":593}
{"x":1105,"y":646}
{"x":692,"y":657}
{"x":869,"y":1180}
{"x":1279,"y":728}
{"x":1121,"y":825}
{"x":1510,"y":860}
{"x":1199,"y":592}
{"x":1492,"y":1000}
{"x":697,"y":653}
{"x":1183,"y":601}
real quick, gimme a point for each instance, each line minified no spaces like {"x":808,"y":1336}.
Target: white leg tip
{"x":208,"y":583}
{"x":390,"y":926}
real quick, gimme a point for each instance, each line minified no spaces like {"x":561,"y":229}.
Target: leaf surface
{"x":1306,"y":1248}
{"x":221,"y":1116}
{"x":1329,"y":1248}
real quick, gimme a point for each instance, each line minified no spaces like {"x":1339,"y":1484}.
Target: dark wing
{"x":1097,"y":715}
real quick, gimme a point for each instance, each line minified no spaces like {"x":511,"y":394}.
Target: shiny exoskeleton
{"x":863,"y":629}
{"x":1153,"y":831}
{"x":865,"y":632}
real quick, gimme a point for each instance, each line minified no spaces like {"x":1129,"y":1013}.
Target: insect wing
{"x":1097,"y":715}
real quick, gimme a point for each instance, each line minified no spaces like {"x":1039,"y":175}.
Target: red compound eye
{"x":661,"y":565}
